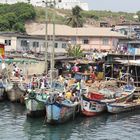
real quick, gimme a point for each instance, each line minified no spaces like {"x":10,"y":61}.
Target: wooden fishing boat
{"x":35,"y":104}
{"x":95,"y":103}
{"x":2,"y":92}
{"x":125,"y":106}
{"x":15,"y":91}
{"x":60,"y":110}
{"x":91,"y":104}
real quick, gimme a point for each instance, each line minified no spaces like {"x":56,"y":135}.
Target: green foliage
{"x":75,"y":50}
{"x":4,"y":25}
{"x":15,"y":16}
{"x":19,"y":27}
{"x":89,"y":14}
{"x":93,"y":16}
{"x":138,"y":13}
{"x":75,"y":19}
{"x":40,"y":15}
{"x":100,"y":15}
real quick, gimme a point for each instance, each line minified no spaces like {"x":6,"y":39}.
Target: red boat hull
{"x":89,"y":114}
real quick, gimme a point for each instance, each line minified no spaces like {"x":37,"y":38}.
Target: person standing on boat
{"x":68,"y":94}
{"x":78,"y":88}
{"x":16,"y":70}
{"x":3,"y":66}
{"x":92,"y":76}
{"x":65,"y":85}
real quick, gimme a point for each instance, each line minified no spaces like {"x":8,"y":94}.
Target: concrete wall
{"x":97,"y":43}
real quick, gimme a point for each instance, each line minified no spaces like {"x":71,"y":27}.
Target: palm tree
{"x":75,"y":50}
{"x":75,"y":19}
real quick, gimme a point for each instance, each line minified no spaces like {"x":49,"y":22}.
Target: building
{"x":60,"y":4}
{"x":69,"y":4}
{"x":89,"y":38}
{"x":24,"y":43}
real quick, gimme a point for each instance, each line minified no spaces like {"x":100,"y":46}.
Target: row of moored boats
{"x":59,"y":104}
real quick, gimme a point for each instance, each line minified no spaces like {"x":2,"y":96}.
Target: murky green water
{"x":15,"y":126}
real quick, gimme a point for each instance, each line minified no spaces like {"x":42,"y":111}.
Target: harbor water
{"x":14,"y":125}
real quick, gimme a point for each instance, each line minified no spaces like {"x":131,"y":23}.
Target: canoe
{"x":35,"y":104}
{"x":95,"y":103}
{"x":14,"y":92}
{"x":123,"y":106}
{"x":59,"y":111}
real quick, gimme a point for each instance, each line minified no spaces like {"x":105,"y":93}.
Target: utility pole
{"x":53,"y":46}
{"x":46,"y":37}
{"x":50,"y":3}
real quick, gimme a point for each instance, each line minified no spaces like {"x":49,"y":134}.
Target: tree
{"x":4,"y":25}
{"x":75,"y":50}
{"x":75,"y":19}
{"x":13,"y":17}
{"x":19,"y":27}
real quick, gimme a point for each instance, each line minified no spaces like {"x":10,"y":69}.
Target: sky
{"x":114,"y":5}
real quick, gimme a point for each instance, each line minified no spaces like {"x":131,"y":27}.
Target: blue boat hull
{"x":59,"y":113}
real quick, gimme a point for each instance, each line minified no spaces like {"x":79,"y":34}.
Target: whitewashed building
{"x":60,"y":4}
{"x":24,"y":43}
{"x":69,"y":4}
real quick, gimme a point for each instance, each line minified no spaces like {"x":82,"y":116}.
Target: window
{"x":105,"y":41}
{"x":56,"y":45}
{"x":114,"y":42}
{"x":64,"y":45}
{"x":24,"y":43}
{"x":8,"y":42}
{"x":85,"y":41}
{"x":73,"y":40}
{"x":35,"y":44}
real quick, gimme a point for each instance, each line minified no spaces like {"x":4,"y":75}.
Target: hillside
{"x":90,"y":17}
{"x":13,"y":17}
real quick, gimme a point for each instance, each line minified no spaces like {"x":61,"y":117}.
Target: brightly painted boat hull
{"x":92,"y":108}
{"x":59,"y":113}
{"x":35,"y":108}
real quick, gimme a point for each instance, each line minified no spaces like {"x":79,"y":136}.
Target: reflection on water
{"x":15,"y":125}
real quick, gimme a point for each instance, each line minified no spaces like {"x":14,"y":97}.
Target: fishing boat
{"x":60,"y":110}
{"x":91,"y":104}
{"x":127,"y":105}
{"x":35,"y":103}
{"x":15,"y":91}
{"x":95,"y":103}
{"x":2,"y":92}
{"x":36,"y":99}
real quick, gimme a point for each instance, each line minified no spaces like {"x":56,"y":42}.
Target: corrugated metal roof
{"x":64,"y":30}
